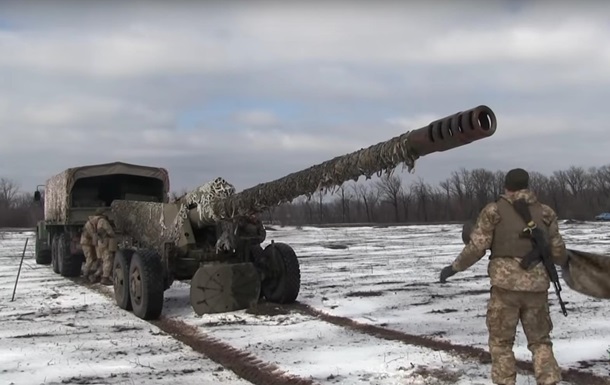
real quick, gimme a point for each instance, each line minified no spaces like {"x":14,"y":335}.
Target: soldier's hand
{"x":446,"y":273}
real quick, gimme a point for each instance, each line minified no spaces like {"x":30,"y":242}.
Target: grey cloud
{"x":113,"y":84}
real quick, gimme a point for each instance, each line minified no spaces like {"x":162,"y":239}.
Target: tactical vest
{"x":506,"y":240}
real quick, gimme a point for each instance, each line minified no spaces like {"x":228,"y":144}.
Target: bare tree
{"x":8,"y":191}
{"x":390,"y":186}
{"x":421,"y":192}
{"x":483,"y":182}
{"x":576,"y":179}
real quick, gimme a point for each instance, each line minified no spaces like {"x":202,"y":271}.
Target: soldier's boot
{"x":106,"y":281}
{"x":94,"y":278}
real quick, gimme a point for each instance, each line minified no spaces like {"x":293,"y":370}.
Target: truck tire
{"x":69,"y":264}
{"x":285,"y":281}
{"x":146,"y":284}
{"x":43,"y":256}
{"x":120,"y":278}
{"x":55,"y":254}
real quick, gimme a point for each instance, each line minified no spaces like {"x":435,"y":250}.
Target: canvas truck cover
{"x":58,"y":187}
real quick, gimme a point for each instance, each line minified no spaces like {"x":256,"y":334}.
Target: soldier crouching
{"x":516,"y":294}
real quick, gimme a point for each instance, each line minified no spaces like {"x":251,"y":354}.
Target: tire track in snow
{"x":249,"y":367}
{"x":572,"y":375}
{"x":244,"y":364}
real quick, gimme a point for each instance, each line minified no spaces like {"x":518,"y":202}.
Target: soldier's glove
{"x":446,"y":273}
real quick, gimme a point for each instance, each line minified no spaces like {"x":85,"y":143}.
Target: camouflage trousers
{"x":505,"y":309}
{"x":107,"y":259}
{"x":90,"y":259}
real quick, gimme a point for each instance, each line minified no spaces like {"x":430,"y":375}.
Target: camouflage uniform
{"x":516,"y":294}
{"x":88,"y":242}
{"x":105,"y":249}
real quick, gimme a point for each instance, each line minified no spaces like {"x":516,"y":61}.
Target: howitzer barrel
{"x":443,"y":134}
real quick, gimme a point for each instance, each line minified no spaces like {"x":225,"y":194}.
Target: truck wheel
{"x":120,"y":278}
{"x":69,"y":264}
{"x":146,"y":284}
{"x":283,"y":279}
{"x":43,"y":256}
{"x":55,"y":254}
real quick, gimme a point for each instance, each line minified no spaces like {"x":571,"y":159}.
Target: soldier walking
{"x":516,"y":294}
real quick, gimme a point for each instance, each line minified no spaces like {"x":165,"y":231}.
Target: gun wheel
{"x":146,"y":284}
{"x":223,"y":287}
{"x":283,"y":275}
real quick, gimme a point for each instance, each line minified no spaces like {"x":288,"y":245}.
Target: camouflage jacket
{"x":97,"y":229}
{"x":88,"y":236}
{"x":506,"y":272}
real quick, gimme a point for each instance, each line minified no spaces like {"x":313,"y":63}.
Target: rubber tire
{"x":55,"y":254}
{"x":149,"y":264}
{"x":70,"y":265}
{"x":122,"y":260}
{"x":43,"y":257}
{"x":286,"y":288}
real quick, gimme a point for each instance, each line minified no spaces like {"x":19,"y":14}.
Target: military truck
{"x":73,"y":195}
{"x":212,"y":235}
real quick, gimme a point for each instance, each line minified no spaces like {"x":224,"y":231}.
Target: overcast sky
{"x":252,"y":92}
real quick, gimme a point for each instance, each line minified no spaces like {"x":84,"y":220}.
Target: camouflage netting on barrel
{"x":440,"y":135}
{"x":204,"y":199}
{"x":379,"y":158}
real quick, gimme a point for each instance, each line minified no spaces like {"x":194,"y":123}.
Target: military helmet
{"x":101,"y":210}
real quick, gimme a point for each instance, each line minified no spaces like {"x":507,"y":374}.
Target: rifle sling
{"x":534,"y":257}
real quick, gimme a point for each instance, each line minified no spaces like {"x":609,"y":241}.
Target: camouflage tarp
{"x":58,"y":187}
{"x":149,"y":223}
{"x":588,"y":273}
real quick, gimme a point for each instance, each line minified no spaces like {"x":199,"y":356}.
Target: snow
{"x":386,"y":276}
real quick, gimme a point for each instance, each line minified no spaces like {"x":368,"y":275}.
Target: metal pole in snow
{"x":19,"y":272}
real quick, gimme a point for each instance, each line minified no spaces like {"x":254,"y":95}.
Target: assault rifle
{"x":541,"y":251}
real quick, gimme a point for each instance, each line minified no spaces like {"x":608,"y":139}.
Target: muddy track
{"x":574,"y":376}
{"x":242,"y":363}
{"x":248,"y":367}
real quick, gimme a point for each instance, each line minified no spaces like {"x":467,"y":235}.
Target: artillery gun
{"x":213,"y":237}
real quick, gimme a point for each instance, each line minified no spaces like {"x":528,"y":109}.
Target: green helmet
{"x":101,"y":211}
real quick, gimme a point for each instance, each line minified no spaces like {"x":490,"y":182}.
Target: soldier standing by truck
{"x":106,"y":247}
{"x":88,"y":242}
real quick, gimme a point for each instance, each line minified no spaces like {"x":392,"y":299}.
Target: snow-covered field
{"x":57,"y":331}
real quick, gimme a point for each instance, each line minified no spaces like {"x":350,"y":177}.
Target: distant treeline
{"x":575,"y":193}
{"x":17,"y":208}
